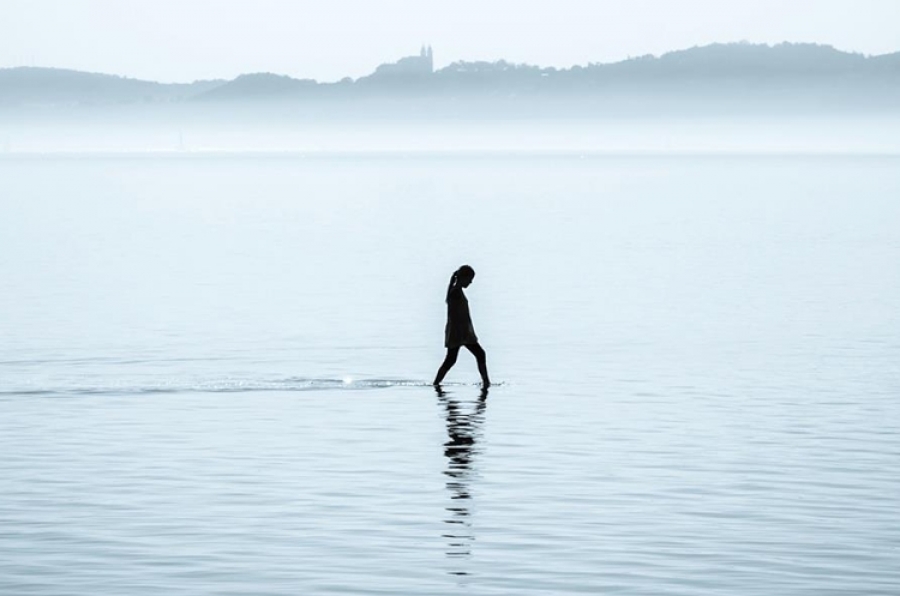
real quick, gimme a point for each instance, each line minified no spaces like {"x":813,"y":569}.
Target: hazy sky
{"x":183,"y":40}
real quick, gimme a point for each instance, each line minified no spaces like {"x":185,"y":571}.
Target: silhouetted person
{"x":459,"y":331}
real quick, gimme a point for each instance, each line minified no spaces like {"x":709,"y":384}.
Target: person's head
{"x":464,"y":276}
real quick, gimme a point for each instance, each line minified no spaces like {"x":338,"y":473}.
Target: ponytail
{"x":452,"y":284}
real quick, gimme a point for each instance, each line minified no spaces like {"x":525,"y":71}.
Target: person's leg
{"x":448,"y":363}
{"x":481,"y":358}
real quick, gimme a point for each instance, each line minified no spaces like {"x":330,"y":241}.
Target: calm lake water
{"x":214,"y":375}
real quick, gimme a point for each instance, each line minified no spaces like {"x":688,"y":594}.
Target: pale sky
{"x":184,"y":40}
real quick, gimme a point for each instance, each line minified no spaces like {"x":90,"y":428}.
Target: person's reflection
{"x":463,"y":430}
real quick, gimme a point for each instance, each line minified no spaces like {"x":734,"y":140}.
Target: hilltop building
{"x":410,"y":66}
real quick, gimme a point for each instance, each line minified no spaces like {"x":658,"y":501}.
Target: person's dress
{"x":459,"y":330}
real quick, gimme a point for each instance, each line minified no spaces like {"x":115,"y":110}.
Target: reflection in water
{"x":463,"y":429}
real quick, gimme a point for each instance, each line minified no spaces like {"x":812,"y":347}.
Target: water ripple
{"x":290,"y":384}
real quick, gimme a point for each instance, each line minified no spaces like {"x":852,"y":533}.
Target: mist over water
{"x":214,"y":366}
{"x":280,"y":128}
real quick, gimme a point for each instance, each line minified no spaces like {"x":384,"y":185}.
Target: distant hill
{"x":258,"y":85}
{"x":715,"y":73}
{"x":54,"y":86}
{"x":783,"y":64}
{"x":737,"y":76}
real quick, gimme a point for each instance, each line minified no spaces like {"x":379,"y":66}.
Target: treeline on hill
{"x":718,"y":69}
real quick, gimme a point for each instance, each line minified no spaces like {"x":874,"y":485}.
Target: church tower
{"x":426,"y":59}
{"x":409,"y":66}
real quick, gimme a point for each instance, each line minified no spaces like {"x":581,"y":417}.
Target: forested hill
{"x":739,"y":69}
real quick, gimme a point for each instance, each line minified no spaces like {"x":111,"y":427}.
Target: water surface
{"x":214,"y":375}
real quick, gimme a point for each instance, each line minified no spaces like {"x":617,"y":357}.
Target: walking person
{"x":459,"y":330}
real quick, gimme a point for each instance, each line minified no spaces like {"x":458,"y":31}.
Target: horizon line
{"x":427,"y":153}
{"x":629,"y":58}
